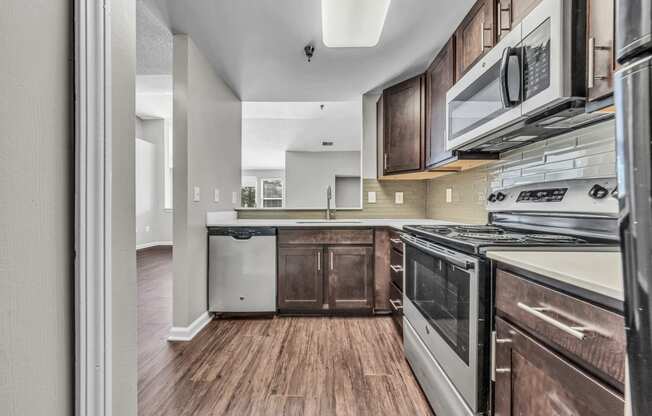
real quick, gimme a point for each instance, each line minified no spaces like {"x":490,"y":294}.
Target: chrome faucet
{"x":329,"y":196}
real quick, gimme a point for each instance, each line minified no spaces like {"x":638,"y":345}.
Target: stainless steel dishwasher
{"x":242,"y":269}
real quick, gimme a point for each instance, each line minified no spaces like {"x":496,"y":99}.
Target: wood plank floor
{"x":280,"y":366}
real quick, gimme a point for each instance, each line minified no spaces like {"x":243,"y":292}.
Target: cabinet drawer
{"x":532,"y":380}
{"x":589,"y":335}
{"x":395,"y":240}
{"x":396,"y":268}
{"x":337,"y":236}
{"x":396,"y":303}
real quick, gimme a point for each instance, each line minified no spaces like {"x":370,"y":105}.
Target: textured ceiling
{"x":257,"y":45}
{"x":153,"y":43}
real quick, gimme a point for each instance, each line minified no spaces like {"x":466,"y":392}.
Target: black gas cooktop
{"x":477,"y":239}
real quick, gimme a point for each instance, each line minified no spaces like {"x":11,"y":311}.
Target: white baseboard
{"x":153,"y":244}
{"x":186,"y":333}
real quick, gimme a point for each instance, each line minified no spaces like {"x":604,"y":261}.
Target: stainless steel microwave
{"x":530,"y":86}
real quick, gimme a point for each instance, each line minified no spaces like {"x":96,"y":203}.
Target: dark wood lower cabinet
{"x":327,"y":270}
{"x":534,"y":381}
{"x":350,"y":277}
{"x":300,"y":284}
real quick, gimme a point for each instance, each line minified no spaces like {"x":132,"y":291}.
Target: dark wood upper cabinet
{"x":475,"y":36}
{"x":403,"y":126}
{"x":300,"y":284}
{"x":510,"y":13}
{"x":532,"y":380}
{"x":350,"y":277}
{"x":600,"y":43}
{"x":440,"y":77}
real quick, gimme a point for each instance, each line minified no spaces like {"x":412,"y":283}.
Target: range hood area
{"x":559,"y":120}
{"x":545,"y":77}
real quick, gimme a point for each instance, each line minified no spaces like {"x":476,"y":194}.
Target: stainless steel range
{"x":447,"y":279}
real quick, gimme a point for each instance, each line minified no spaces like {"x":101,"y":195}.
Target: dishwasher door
{"x":242,"y":269}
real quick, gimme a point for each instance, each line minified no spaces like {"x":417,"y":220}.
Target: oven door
{"x":441,"y":297}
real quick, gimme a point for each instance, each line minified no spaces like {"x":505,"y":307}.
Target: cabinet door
{"x":475,"y":35}
{"x":350,"y":277}
{"x":600,"y":55}
{"x":403,"y":126}
{"x":532,"y":380}
{"x":300,"y":278}
{"x":510,"y":13}
{"x":440,"y":77}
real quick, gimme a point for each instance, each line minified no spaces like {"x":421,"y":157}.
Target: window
{"x":272,"y":192}
{"x":248,"y":196}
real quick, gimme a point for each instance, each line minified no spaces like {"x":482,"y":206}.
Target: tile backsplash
{"x":586,"y":153}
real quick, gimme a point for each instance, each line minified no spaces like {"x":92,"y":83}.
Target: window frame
{"x":262,"y":192}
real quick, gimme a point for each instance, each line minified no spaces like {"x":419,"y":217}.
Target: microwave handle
{"x":508,"y":52}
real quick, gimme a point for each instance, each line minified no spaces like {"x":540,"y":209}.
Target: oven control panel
{"x":542,"y":195}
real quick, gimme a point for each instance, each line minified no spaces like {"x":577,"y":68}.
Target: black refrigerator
{"x":633,"y":97}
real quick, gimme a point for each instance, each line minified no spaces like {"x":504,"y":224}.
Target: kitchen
{"x":479,"y":213}
{"x":326,"y":207}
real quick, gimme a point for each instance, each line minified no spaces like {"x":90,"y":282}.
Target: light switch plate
{"x":147,"y":228}
{"x":196,"y":193}
{"x":371,"y":197}
{"x":216,"y":195}
{"x":398,"y":197}
{"x":234,"y":197}
{"x":449,"y":195}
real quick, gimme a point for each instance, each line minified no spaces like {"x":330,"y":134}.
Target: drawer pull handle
{"x":396,"y":268}
{"x":395,"y":240}
{"x":395,"y":306}
{"x":574,"y":331}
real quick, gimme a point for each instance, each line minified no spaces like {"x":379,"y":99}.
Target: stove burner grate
{"x":502,"y":238}
{"x":554,"y":238}
{"x":478,"y":229}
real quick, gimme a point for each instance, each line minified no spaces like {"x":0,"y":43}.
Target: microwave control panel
{"x":542,"y":195}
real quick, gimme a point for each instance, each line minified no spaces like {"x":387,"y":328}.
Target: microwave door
{"x":475,"y":105}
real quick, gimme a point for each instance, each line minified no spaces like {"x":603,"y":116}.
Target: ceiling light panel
{"x":353,"y":23}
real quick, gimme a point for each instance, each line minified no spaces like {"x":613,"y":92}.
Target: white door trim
{"x":92,"y":208}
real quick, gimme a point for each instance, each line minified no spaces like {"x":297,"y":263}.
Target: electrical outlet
{"x":398,"y":197}
{"x":371,"y":197}
{"x":234,"y":197}
{"x":216,"y":195}
{"x":147,"y":228}
{"x":196,"y":194}
{"x":449,"y":195}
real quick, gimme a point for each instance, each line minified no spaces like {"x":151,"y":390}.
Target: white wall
{"x":36,"y":209}
{"x":153,"y":221}
{"x":123,"y":221}
{"x":369,"y":161}
{"x":308,"y":174}
{"x":207,"y":127}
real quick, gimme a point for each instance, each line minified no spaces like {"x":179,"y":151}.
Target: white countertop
{"x":221,"y":219}
{"x":596,"y":271}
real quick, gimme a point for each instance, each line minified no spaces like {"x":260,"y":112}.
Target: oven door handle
{"x":458,"y":261}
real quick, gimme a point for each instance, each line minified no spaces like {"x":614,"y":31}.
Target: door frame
{"x":92,"y":123}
